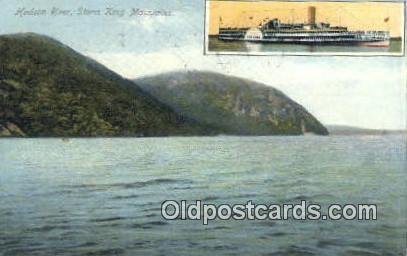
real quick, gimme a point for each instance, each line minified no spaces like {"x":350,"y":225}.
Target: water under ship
{"x":274,"y":31}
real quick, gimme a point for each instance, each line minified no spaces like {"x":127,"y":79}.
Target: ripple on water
{"x":294,"y":250}
{"x":109,"y":219}
{"x":128,"y":185}
{"x":124,"y":197}
{"x":105,"y":252}
{"x":364,"y":252}
{"x":148,"y":225}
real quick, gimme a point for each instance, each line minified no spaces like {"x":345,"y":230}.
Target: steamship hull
{"x":371,"y":42}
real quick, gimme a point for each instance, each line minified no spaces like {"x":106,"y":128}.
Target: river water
{"x":102,"y":196}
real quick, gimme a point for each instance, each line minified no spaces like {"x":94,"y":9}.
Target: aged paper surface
{"x":305,"y":28}
{"x":202,"y":127}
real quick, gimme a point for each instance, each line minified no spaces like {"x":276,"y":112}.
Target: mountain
{"x":350,"y":130}
{"x":48,"y":89}
{"x":231,"y":105}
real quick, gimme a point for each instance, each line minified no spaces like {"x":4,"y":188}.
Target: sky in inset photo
{"x":355,"y":16}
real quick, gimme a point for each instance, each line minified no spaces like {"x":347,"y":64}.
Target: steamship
{"x":274,"y":31}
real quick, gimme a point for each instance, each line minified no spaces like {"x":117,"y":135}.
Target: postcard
{"x":304,"y":28}
{"x":120,"y":134}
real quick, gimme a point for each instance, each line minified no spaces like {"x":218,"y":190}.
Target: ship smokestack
{"x":311,"y":14}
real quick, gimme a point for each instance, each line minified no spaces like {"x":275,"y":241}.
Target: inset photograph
{"x":304,"y":28}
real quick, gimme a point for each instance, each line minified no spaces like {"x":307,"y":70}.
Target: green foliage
{"x":47,"y":89}
{"x":232,"y":105}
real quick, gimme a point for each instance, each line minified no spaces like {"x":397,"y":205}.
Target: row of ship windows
{"x":290,"y":35}
{"x":306,"y":34}
{"x":292,"y":32}
{"x":298,"y":34}
{"x":314,"y":36}
{"x":282,"y":32}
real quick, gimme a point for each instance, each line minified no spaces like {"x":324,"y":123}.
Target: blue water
{"x":103,"y":196}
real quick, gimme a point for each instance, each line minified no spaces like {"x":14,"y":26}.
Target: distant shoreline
{"x":349,"y":130}
{"x":331,"y":134}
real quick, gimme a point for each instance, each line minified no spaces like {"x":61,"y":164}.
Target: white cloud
{"x":148,"y":23}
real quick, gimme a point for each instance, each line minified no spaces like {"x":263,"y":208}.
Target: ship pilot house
{"x":275,"y":24}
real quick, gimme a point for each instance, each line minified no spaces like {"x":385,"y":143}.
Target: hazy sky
{"x":360,"y":91}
